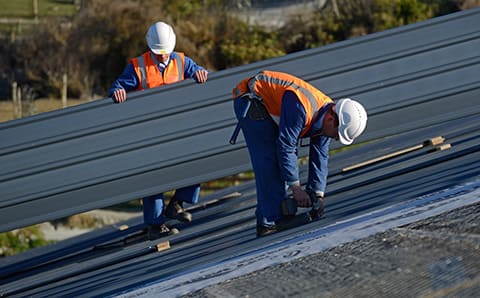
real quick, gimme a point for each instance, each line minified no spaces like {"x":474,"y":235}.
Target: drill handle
{"x":289,"y":205}
{"x":317,"y":204}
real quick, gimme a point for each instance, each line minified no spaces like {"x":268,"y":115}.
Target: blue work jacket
{"x":292,"y":121}
{"x":129,"y":81}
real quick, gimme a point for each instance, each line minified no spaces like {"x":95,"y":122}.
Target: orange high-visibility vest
{"x":269,"y":87}
{"x":150,"y":76}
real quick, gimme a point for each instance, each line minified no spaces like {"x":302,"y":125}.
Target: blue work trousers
{"x":261,"y":137}
{"x":153,"y":206}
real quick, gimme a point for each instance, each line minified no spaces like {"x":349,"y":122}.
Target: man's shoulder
{"x":174,"y":55}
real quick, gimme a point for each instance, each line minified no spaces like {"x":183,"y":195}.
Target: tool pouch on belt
{"x":257,"y":110}
{"x":254,"y":109}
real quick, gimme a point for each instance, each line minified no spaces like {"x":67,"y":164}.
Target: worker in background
{"x":156,"y":67}
{"x":275,"y":110}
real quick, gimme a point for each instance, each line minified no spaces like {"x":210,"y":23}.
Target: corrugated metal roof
{"x":99,"y":154}
{"x":417,"y":82}
{"x":100,"y":263}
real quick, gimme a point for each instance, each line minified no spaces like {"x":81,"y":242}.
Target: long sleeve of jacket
{"x":129,"y":81}
{"x":190,"y":69}
{"x":292,"y":121}
{"x":318,"y":163}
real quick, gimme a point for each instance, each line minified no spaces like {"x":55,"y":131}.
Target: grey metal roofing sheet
{"x":226,"y":230}
{"x":100,"y":154}
{"x":454,"y":130}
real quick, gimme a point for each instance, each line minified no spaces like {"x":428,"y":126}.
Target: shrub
{"x":21,"y":240}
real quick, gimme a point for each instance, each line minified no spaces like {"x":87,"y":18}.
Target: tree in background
{"x":239,"y":43}
{"x":40,"y":59}
{"x":107,"y":34}
{"x":93,"y":47}
{"x":344,"y":19}
{"x":390,"y":14}
{"x":21,"y":240}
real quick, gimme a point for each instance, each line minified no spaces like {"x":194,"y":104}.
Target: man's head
{"x":345,"y":121}
{"x":161,"y":39}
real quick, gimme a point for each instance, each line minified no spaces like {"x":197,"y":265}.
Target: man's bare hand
{"x":301,"y":197}
{"x":119,"y":95}
{"x":201,"y":75}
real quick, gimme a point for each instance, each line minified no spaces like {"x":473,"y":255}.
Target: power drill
{"x":317,"y":205}
{"x":289,"y":205}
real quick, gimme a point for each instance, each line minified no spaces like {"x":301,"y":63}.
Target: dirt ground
{"x":57,"y":231}
{"x":38,"y":106}
{"x":436,"y":257}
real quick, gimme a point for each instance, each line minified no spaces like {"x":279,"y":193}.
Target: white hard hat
{"x":161,"y":38}
{"x":352,"y":119}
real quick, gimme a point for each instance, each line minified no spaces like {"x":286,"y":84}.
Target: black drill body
{"x":290,"y":208}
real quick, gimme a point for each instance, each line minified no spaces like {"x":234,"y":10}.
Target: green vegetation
{"x":93,"y":46}
{"x":19,"y":8}
{"x":21,"y":240}
{"x":24,"y":8}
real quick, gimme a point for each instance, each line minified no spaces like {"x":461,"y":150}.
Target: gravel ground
{"x":102,"y":217}
{"x":435,"y":257}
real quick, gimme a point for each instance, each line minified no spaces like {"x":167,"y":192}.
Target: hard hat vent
{"x":161,"y":38}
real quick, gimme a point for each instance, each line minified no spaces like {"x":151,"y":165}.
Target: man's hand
{"x":201,"y":76}
{"x":119,"y":95}
{"x":301,"y":197}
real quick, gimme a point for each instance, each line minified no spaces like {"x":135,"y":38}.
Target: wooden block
{"x":163,"y":246}
{"x":444,"y":147}
{"x":434,"y":141}
{"x":441,"y":148}
{"x":122,"y":227}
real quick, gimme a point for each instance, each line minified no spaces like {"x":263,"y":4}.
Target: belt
{"x":233,"y":138}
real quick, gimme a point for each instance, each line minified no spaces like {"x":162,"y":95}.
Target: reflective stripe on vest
{"x":285,"y":83}
{"x":143,"y":75}
{"x":179,"y":61}
{"x":270,"y":87}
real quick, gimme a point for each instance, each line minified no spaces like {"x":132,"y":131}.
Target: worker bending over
{"x":275,"y":110}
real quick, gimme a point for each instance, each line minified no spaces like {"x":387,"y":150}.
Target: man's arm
{"x":127,"y":82}
{"x":292,"y":121}
{"x":318,"y":164}
{"x":192,"y":70}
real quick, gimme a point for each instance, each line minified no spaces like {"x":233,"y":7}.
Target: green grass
{"x":24,"y":8}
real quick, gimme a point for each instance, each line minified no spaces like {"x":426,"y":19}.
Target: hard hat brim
{"x":345,"y":125}
{"x":341,"y":123}
{"x":341,"y":138}
{"x":160,"y":51}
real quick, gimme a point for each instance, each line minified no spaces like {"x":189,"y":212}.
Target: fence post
{"x":17,"y":100}
{"x":14,"y":98}
{"x":64,"y":90}
{"x":335,"y":8}
{"x":35,"y":10}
